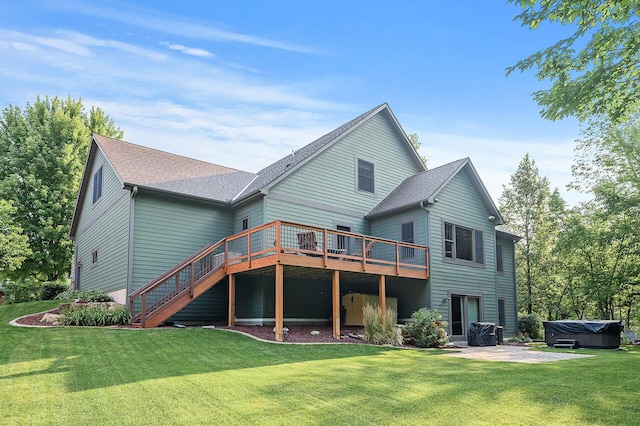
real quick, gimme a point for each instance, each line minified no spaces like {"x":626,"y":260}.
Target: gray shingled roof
{"x":151,"y":168}
{"x":277,"y":169}
{"x":414,"y":189}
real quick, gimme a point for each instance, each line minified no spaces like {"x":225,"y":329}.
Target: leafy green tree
{"x":604,"y":257}
{"x":14,"y":245}
{"x":415,"y":141}
{"x":524,"y":204}
{"x":42,"y":153}
{"x":595,"y":70}
{"x":608,"y":165}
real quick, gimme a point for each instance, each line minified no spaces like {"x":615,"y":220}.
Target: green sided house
{"x":353,"y":217}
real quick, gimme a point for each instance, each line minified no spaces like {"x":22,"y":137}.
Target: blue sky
{"x":242,"y":83}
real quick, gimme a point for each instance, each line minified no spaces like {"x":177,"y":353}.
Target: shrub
{"x":426,"y":329}
{"x":51,"y":289}
{"x":379,"y":326}
{"x":519,"y":339}
{"x":529,"y":325}
{"x":21,"y":291}
{"x":92,"y":315}
{"x":85,"y":296}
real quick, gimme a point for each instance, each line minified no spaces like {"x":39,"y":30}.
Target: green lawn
{"x":203,"y":376}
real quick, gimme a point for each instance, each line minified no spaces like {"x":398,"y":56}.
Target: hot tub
{"x":601,"y":334}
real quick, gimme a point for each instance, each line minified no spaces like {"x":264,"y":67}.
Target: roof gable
{"x":283,"y":167}
{"x":425,"y":186}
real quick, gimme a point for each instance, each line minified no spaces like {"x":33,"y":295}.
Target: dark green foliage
{"x":94,"y":315}
{"x":425,"y":329}
{"x":593,"y":71}
{"x":379,"y":326}
{"x":51,"y":290}
{"x":85,"y":296}
{"x":529,"y":325}
{"x":22,"y":291}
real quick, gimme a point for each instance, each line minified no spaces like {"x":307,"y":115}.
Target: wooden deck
{"x":276,"y":244}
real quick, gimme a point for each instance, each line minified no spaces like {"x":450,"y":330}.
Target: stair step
{"x":567,"y":341}
{"x":564,"y":346}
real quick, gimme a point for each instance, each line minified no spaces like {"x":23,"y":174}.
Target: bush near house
{"x":426,"y":329}
{"x":85,"y":296}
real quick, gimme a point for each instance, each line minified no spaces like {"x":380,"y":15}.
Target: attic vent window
{"x":97,"y":185}
{"x":366,"y":176}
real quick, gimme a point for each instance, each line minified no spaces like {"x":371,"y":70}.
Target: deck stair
{"x":566,"y":344}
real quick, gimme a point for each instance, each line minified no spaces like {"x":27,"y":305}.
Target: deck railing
{"x":276,"y":242}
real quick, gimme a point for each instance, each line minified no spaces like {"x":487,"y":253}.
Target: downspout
{"x":515,"y":286}
{"x":132,"y":203}
{"x":428,"y":219}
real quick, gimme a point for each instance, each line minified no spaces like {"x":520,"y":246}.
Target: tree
{"x":608,"y":165}
{"x":595,"y":70}
{"x":524,"y":204}
{"x":415,"y":141}
{"x":42,"y":152}
{"x":14,"y":245}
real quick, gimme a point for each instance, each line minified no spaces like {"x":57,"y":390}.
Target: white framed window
{"x":94,"y":258}
{"x":244,"y":223}
{"x":97,"y":185}
{"x":463,"y":244}
{"x":499,"y":260}
{"x":365,"y":176}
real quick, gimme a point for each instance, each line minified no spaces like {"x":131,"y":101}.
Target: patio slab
{"x":510,"y":353}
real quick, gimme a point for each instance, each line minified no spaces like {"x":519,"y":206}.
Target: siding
{"x":167,"y":231}
{"x":111,"y":187}
{"x":389,"y":226}
{"x":505,"y":287}
{"x":460,"y":204}
{"x":323,"y":190}
{"x":104,"y":226}
{"x":255,"y":212}
{"x":109,"y":235}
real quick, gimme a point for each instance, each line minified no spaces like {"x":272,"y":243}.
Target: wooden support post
{"x":279,"y":303}
{"x":232,"y":300}
{"x":335,"y":297}
{"x":382,"y":293}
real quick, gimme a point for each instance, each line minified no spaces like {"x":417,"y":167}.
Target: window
{"x":244,"y":223}
{"x":94,"y":257}
{"x":499,"y":262}
{"x":501,"y":316}
{"x":97,"y":185}
{"x":463,"y":244}
{"x":407,"y":236}
{"x":366,"y":176}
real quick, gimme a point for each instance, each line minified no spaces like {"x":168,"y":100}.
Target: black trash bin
{"x":500,"y":335}
{"x":482,"y":334}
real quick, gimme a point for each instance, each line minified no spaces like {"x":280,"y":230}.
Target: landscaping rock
{"x":51,"y":319}
{"x":315,"y":333}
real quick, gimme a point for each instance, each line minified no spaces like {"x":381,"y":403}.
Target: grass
{"x":204,"y":376}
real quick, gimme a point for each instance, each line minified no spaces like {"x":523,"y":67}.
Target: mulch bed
{"x":296,"y":333}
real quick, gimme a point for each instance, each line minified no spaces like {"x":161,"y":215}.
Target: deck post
{"x":279,"y":303}
{"x":335,"y":297}
{"x":232,"y":300}
{"x":382,"y":293}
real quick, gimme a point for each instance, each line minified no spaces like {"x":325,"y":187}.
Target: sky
{"x":243,"y":83}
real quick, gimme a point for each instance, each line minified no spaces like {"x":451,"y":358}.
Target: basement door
{"x":464,"y":310}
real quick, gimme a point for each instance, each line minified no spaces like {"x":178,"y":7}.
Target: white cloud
{"x":172,"y":24}
{"x":194,"y":51}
